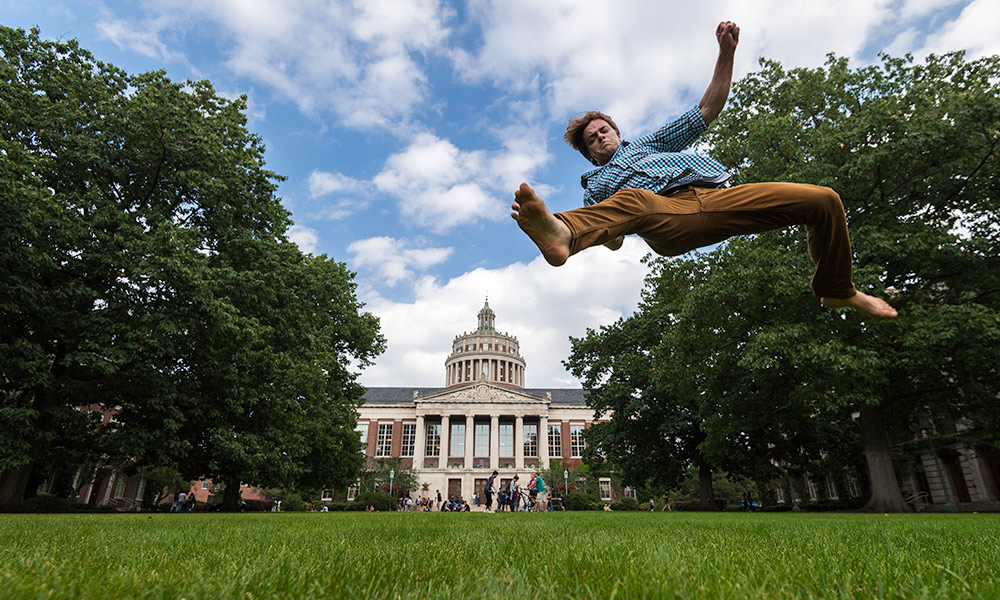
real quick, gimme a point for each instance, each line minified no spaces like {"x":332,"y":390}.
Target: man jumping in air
{"x":673,"y":201}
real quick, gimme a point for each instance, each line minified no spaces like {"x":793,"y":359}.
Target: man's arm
{"x":715,"y":96}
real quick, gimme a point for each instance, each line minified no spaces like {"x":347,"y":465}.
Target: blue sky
{"x":403,"y":127}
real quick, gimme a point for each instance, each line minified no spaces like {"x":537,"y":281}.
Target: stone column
{"x":419,"y":444}
{"x":543,"y":442}
{"x":469,"y":440}
{"x":494,"y":442}
{"x":445,"y":445}
{"x":519,"y":442}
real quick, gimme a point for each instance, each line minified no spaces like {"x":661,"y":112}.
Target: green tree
{"x":744,"y":356}
{"x":652,"y":433}
{"x":911,"y":149}
{"x":403,"y":480}
{"x":148,"y":273}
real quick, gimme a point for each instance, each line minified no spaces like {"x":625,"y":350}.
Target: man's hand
{"x":728,"y":35}
{"x":615,"y":243}
{"x":715,"y":96}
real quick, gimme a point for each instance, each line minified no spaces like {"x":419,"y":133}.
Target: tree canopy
{"x":147,"y":271}
{"x":768,"y":377}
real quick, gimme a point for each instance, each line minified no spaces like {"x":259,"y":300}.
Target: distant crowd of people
{"x":513,"y":496}
{"x":183,"y":502}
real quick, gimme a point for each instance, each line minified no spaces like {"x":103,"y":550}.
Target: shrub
{"x":720,"y":504}
{"x":257,"y":505}
{"x":581,"y":501}
{"x":382,"y":501}
{"x":293,"y":503}
{"x":834,"y":505}
{"x":47,"y":504}
{"x":627,"y":503}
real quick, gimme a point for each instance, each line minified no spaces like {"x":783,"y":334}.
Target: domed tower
{"x":485,"y":355}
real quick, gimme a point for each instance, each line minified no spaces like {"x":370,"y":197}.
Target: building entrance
{"x":455,"y":488}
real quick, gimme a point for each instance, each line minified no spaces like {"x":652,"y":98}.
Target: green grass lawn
{"x":514,"y":556}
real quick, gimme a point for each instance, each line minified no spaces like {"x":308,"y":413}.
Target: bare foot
{"x":869,"y":305}
{"x":534,"y":218}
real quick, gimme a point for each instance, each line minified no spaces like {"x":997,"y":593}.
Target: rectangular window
{"x":120,"y":487}
{"x":482,"y":439}
{"x":506,"y":439}
{"x":326,"y":496}
{"x":811,"y":489}
{"x":630,"y":492}
{"x":433,"y":440}
{"x":831,"y":489}
{"x":555,"y":440}
{"x":852,"y":486}
{"x":409,"y":439}
{"x":457,"y":439}
{"x":204,"y":484}
{"x":362,"y":429}
{"x":604,"y":487}
{"x":352,"y":492}
{"x":530,"y":439}
{"x":779,"y":494}
{"x":383,"y":447}
{"x":576,"y":444}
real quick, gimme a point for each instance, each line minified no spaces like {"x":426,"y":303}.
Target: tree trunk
{"x":886,"y":496}
{"x":706,"y":494}
{"x":13,"y":483}
{"x":231,"y":497}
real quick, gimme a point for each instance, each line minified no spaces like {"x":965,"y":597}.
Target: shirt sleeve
{"x":676,"y":135}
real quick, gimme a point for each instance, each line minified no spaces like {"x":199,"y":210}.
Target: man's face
{"x":601,"y":139}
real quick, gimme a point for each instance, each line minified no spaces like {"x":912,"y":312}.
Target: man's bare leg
{"x":551,"y":235}
{"x":869,"y":305}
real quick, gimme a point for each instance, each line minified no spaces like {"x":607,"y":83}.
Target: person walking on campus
{"x":513,"y":494}
{"x":488,"y":491}
{"x":538,"y":491}
{"x":666,"y":501}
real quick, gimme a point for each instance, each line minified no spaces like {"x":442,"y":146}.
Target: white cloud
{"x":975,"y":30}
{"x":323,"y":183}
{"x":541,"y":305}
{"x":142,"y":40}
{"x":394,"y":260}
{"x":440,"y":186}
{"x":356,"y":60}
{"x":643,"y":61}
{"x":304,"y":237}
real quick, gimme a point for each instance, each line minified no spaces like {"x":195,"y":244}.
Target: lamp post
{"x":565,"y":487}
{"x":392,"y":474}
{"x":929,"y":433}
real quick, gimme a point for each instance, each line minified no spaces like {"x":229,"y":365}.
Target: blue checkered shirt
{"x":655,"y":162}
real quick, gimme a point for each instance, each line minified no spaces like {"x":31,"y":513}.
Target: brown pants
{"x":693,"y":217}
